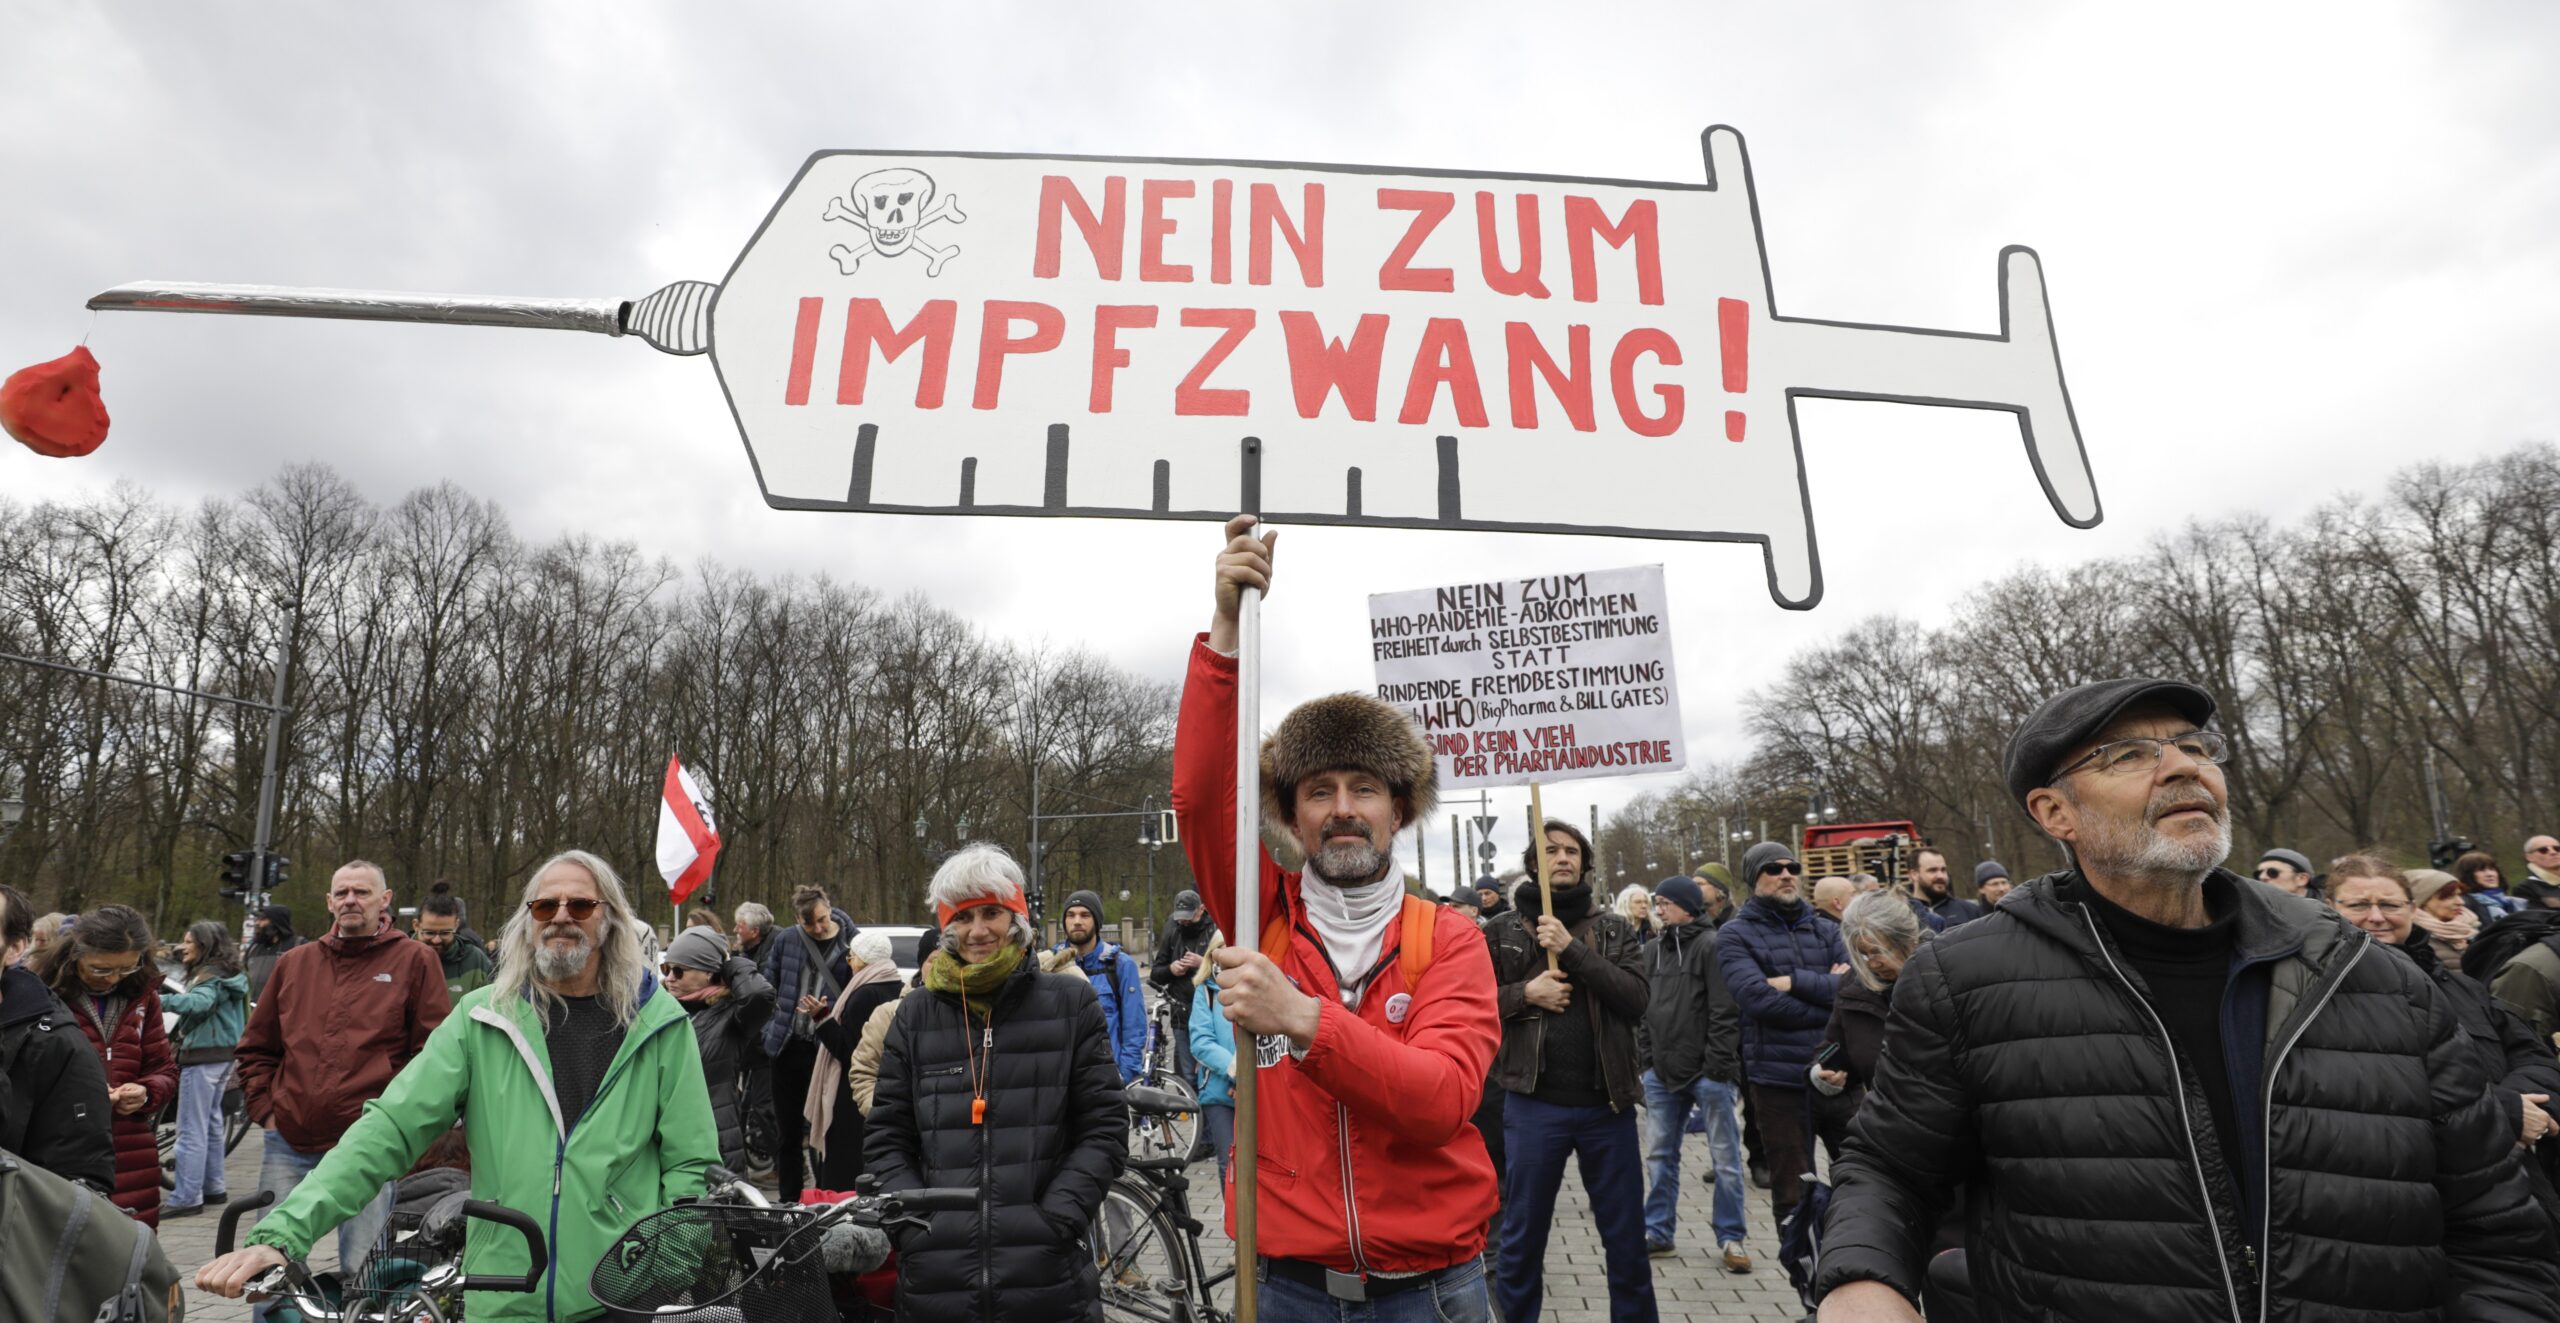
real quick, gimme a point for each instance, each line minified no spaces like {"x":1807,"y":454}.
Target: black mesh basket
{"x":711,"y":1263}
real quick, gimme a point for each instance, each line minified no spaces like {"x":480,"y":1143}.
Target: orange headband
{"x":1013,"y":902}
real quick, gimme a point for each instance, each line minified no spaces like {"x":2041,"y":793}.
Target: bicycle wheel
{"x":1143,"y":1262}
{"x":1174,"y":1136}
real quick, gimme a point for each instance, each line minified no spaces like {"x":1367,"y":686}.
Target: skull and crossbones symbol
{"x":893,"y":206}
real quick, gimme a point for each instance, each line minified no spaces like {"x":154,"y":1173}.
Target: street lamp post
{"x":925,"y":847}
{"x":13,"y":811}
{"x":1151,"y":835}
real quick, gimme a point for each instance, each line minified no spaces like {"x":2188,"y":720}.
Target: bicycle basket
{"x":707,"y":1262}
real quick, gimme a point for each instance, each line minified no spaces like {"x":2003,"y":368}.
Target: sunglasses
{"x":671,"y":971}
{"x":581,"y":909}
{"x":1772,"y":870}
{"x":2270,"y":874}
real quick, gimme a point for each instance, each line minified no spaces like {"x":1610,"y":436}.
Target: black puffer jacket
{"x":1691,"y":1026}
{"x":1055,"y":1137}
{"x":726,"y":1031}
{"x":2518,"y":1063}
{"x":2021,"y":1063}
{"x":53,"y":1088}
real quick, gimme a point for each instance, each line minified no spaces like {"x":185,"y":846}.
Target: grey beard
{"x":2142,"y":851}
{"x":1348,"y":865}
{"x":555,"y":965}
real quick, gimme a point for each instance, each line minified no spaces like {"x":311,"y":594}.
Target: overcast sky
{"x":2289,"y":250}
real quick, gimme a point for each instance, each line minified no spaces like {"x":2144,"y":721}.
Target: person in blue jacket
{"x":1783,"y":960}
{"x":1213,"y":1051}
{"x":1115,"y":980}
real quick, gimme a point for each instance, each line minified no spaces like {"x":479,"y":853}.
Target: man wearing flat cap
{"x":2168,"y":1093}
{"x":2288,"y":871}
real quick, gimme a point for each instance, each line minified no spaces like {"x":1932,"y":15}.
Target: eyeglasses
{"x":2141,"y":753}
{"x":1772,"y":870}
{"x":2360,"y":908}
{"x":103,"y":974}
{"x":545,"y":910}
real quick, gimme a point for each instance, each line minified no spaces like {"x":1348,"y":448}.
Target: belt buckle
{"x":1346,"y":1286}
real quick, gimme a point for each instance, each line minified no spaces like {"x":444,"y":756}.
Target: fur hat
{"x":1346,"y":730}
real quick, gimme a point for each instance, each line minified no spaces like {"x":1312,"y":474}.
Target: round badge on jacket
{"x":1398,"y":1007}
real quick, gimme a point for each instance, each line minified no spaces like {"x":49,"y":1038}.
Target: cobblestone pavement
{"x":1689,"y":1288}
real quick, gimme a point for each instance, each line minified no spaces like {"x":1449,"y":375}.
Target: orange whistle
{"x":977,"y":1111}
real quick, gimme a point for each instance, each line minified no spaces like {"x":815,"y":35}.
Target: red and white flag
{"x":688,"y":842}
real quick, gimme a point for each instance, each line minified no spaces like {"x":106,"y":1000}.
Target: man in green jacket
{"x":580,"y":1093}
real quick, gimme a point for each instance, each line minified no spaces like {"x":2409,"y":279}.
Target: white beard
{"x":555,"y":964}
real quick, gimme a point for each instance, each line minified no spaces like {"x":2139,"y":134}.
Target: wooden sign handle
{"x":1538,"y":851}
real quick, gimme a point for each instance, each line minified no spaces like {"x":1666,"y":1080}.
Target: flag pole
{"x":1248,"y":934}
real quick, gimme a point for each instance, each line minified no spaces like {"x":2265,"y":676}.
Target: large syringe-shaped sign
{"x":1024,"y":335}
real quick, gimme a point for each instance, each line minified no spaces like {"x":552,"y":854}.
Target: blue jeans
{"x":1669,"y":1108}
{"x":1219,"y":1119}
{"x":282,"y":1167}
{"x":1540,"y":1136}
{"x":1457,"y":1297}
{"x":199,"y":1133}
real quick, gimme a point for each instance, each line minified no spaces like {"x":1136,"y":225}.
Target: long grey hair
{"x":619,"y":968}
{"x":1884,"y":918}
{"x":976,"y":875}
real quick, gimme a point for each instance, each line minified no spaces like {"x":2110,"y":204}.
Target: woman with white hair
{"x":1880,"y":932}
{"x":1001,"y":1077}
{"x":835,"y":1122}
{"x":1635,"y":904}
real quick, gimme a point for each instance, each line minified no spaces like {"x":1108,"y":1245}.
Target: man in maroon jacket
{"x":339,"y":1018}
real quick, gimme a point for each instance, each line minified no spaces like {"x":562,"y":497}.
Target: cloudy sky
{"x":2289,"y":249}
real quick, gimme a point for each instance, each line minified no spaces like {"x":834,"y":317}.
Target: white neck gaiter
{"x":1353,"y":921}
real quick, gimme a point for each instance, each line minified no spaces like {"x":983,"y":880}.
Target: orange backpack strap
{"x":1275,"y":939}
{"x":1421,"y":925}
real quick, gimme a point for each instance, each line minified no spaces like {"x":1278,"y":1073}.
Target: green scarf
{"x":945,"y":973}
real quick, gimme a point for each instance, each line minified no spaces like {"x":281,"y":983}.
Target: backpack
{"x":1421,"y":928}
{"x":2504,"y":940}
{"x":73,"y":1257}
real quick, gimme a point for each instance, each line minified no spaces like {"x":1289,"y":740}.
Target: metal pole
{"x":265,"y":846}
{"x":1457,"y":857}
{"x":1034,"y":897}
{"x":1248,"y":933}
{"x":1594,"y":860}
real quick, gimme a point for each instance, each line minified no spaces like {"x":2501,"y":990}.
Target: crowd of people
{"x":2141,"y":1086}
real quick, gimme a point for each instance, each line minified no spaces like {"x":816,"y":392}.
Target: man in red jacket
{"x":1374,"y":1185}
{"x":339,"y":1018}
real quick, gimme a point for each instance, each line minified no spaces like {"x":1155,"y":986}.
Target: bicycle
{"x":413,"y":1275}
{"x":1166,"y":1134}
{"x":1156,"y":1273}
{"x":734,"y":1256}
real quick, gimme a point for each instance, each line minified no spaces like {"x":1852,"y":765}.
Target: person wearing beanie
{"x":270,"y":939}
{"x":1715,"y":884}
{"x":1490,"y":902}
{"x":1371,"y":1013}
{"x":727,"y":1001}
{"x":1693,"y":1035}
{"x":1782,"y":960}
{"x":1179,"y":953}
{"x":1990,"y":883}
{"x":1115,"y":979}
{"x":2288,"y":871}
{"x":997,"y":1076}
{"x":2144,"y":1073}
{"x":1569,"y":1073}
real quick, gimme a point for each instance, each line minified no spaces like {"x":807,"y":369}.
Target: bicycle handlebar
{"x":523,"y":1226}
{"x":942,"y":1199}
{"x":224,"y":1235}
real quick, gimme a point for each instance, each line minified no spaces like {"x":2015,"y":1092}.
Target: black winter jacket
{"x":1180,"y":939}
{"x":1055,"y":1137}
{"x":726,"y":1031}
{"x":1605,"y":968}
{"x":53,"y":1088}
{"x":1691,"y":1026}
{"x":2023,"y":1062}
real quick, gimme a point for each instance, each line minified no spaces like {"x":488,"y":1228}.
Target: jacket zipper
{"x":2186,"y":1119}
{"x":1350,"y":1192}
{"x":986,"y":1175}
{"x":2267,"y":1112}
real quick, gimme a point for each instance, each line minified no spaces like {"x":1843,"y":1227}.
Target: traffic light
{"x":279,"y":869}
{"x":1165,"y":834}
{"x":235,"y":874}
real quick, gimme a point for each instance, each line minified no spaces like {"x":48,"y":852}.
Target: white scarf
{"x":1353,"y":922}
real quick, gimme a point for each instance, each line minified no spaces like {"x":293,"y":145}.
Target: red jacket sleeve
{"x":429,"y":1001}
{"x":1425,"y":1087}
{"x":262,"y":1048}
{"x":1204,"y":791}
